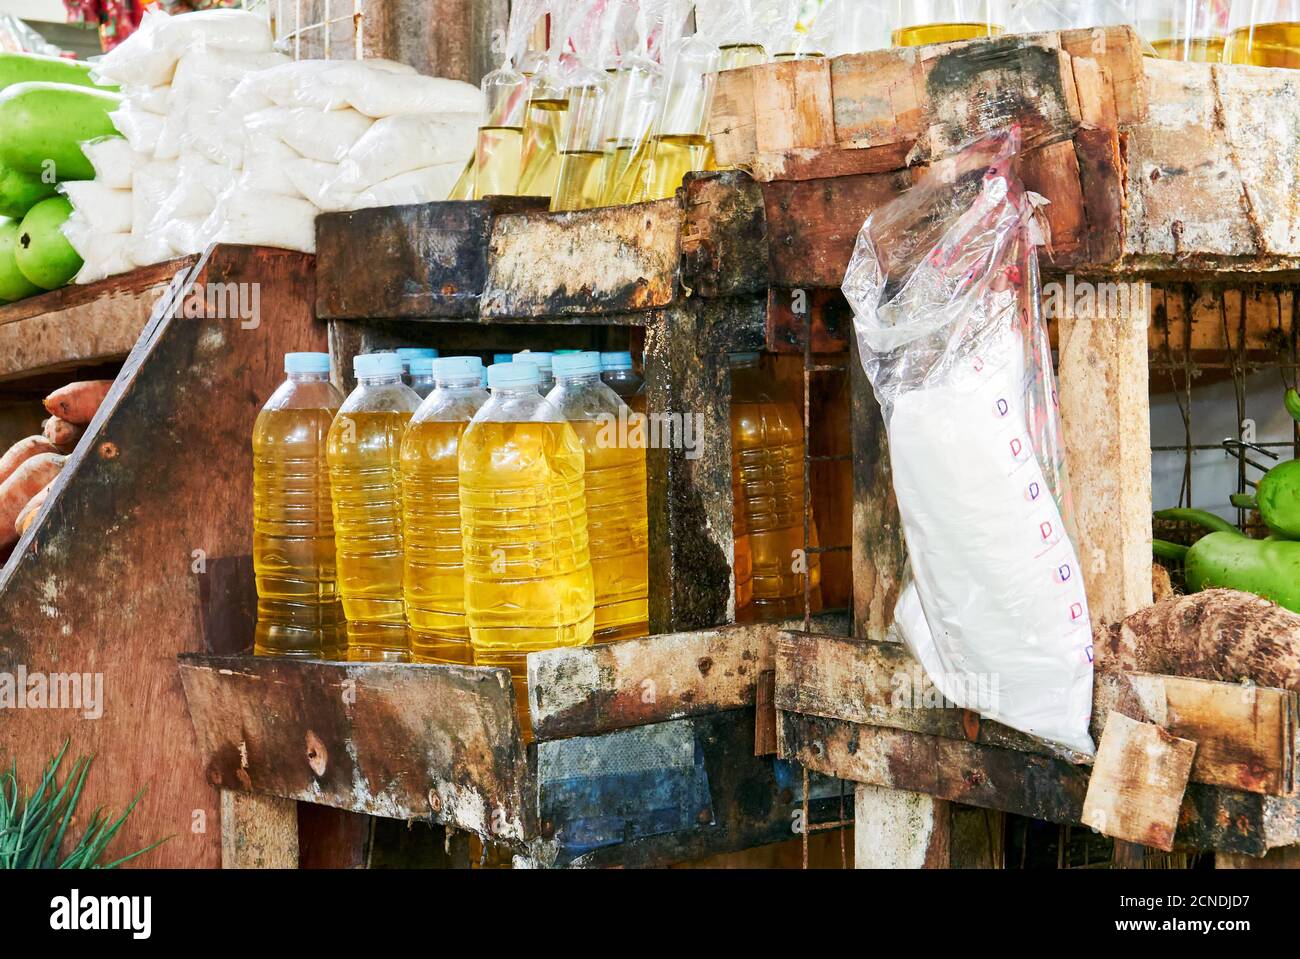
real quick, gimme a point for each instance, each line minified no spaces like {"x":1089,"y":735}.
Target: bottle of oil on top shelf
{"x":920,"y":22}
{"x":365,"y":486}
{"x":544,"y":362}
{"x":409,"y":353}
{"x":435,"y":569}
{"x":617,"y":373}
{"x":615,"y":484}
{"x":528,"y":582}
{"x":767,"y":456}
{"x":422,"y":379}
{"x":298,"y":610}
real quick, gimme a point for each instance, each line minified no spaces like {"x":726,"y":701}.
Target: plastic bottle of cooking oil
{"x":615,"y":482}
{"x":617,"y":373}
{"x":542,"y":132}
{"x":1264,"y":33}
{"x":422,"y":380}
{"x":365,"y":486}
{"x":767,"y":456}
{"x":544,"y":362}
{"x":920,"y":22}
{"x":435,"y":573}
{"x":409,"y":353}
{"x":528,"y":582}
{"x":298,"y":611}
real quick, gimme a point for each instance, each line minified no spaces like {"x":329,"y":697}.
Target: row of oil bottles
{"x":614,"y":107}
{"x":427,"y":518}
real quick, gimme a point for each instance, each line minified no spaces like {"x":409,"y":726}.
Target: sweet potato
{"x":21,"y":452}
{"x":61,"y":433}
{"x":17,"y":491}
{"x":28,"y":515}
{"x":77,"y":402}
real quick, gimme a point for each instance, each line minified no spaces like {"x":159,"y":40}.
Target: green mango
{"x":42,"y":127}
{"x":43,"y":253}
{"x":19,"y":192}
{"x":13,"y":285}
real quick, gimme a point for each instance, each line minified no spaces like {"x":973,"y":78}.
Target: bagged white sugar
{"x":104,"y":209}
{"x":148,"y":57}
{"x":400,"y":144}
{"x":265,"y":219}
{"x":141,"y":128}
{"x":114,"y":161}
{"x":315,"y":135}
{"x":426,"y":185}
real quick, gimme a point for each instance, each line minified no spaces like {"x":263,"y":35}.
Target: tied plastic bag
{"x":148,"y":57}
{"x":944,"y":288}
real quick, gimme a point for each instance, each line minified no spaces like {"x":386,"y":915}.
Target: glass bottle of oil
{"x":767,"y":452}
{"x":544,"y":362}
{"x":580,"y":182}
{"x":364,"y":451}
{"x":615,"y":481}
{"x":681,"y":143}
{"x":528,"y":582}
{"x":920,"y":22}
{"x":298,"y":610}
{"x":1264,"y":33}
{"x":434,"y":581}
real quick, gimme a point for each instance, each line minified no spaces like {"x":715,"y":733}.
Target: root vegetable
{"x":1162,"y":587}
{"x":22,"y":451}
{"x":17,"y":491}
{"x":61,"y":433}
{"x":28,"y":515}
{"x":78,"y":402}
{"x":1221,"y":634}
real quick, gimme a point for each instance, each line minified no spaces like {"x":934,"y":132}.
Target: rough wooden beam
{"x":792,"y":105}
{"x":895,"y":829}
{"x":258,"y":832}
{"x":1137,"y":783}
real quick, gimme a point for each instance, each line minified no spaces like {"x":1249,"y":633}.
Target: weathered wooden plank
{"x":879,"y":98}
{"x":258,"y":832}
{"x":1137,"y":783}
{"x":897,"y":829}
{"x":123,"y":511}
{"x":792,"y":105}
{"x":724,"y":236}
{"x":425,"y":260}
{"x":791,"y":312}
{"x":591,"y":689}
{"x":610,"y":260}
{"x":81,"y":325}
{"x":404,"y":742}
{"x":732,"y":128}
{"x":1037,"y":786}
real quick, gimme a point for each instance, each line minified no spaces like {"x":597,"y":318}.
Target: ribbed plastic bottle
{"x":365,"y":443}
{"x":298,"y":610}
{"x":421,"y":378}
{"x":619,"y":376}
{"x":544,"y":362}
{"x":615,"y":482}
{"x":435,"y":570}
{"x":767,"y":457}
{"x":409,"y":353}
{"x":528,"y":582}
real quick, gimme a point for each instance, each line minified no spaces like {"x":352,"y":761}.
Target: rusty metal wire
{"x":296,"y":24}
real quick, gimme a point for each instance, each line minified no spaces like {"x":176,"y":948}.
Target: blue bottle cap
{"x":417,"y":352}
{"x":502,"y":357}
{"x":306,"y":362}
{"x":457,"y":368}
{"x":421,"y":365}
{"x":377,"y":364}
{"x":616,"y":361}
{"x":580,"y":364}
{"x":542,"y":360}
{"x":513,"y":375}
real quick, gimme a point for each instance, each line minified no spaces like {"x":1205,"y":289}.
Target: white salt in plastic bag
{"x":103,"y":209}
{"x":148,"y":57}
{"x":427,"y":185}
{"x":114,"y":161}
{"x":315,"y":135}
{"x":266,"y":161}
{"x":944,"y":288}
{"x":151,"y":184}
{"x":102,"y":254}
{"x":316,"y":181}
{"x":400,"y":144}
{"x":141,"y":128}
{"x":264,"y":219}
{"x":378,"y":93}
{"x":307,"y":83}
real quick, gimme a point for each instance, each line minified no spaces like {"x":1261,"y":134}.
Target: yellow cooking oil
{"x":540,"y":153}
{"x":364,"y":451}
{"x":1266,"y":45}
{"x":626,"y":167}
{"x":734,"y":56}
{"x":497,"y":158}
{"x":581,"y":182}
{"x":528,"y":580}
{"x":463,"y":188}
{"x":434,"y":564}
{"x":1194,"y":50}
{"x":676,"y":155}
{"x":768,"y":488}
{"x":917,"y":36}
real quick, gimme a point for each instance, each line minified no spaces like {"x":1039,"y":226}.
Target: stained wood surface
{"x":80,"y":325}
{"x":258,"y":832}
{"x":897,"y":829}
{"x":1137,"y":783}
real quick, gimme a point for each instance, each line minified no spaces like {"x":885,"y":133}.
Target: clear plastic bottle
{"x":619,"y":376}
{"x":767,"y":457}
{"x":409,"y":353}
{"x":298,"y":610}
{"x":421,"y":379}
{"x":615,"y":484}
{"x":544,"y":362}
{"x":528,"y":582}
{"x":365,"y":486}
{"x":435,"y":568}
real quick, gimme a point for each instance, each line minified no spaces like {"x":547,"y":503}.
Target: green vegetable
{"x":1173,"y":552}
{"x":1268,"y":568}
{"x":13,"y":285}
{"x":19,"y":192}
{"x":31,"y":67}
{"x":1293,"y":404}
{"x":1279,"y":499}
{"x":42,"y":127}
{"x":1244,"y":501}
{"x":1199,"y":517}
{"x":43,"y":253}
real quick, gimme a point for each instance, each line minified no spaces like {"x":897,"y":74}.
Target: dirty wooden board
{"x":724,"y":236}
{"x":1040,"y":787}
{"x":122,"y":571}
{"x":1245,"y":735}
{"x":422,"y":260}
{"x":591,"y":689}
{"x":403,"y":742}
{"x":80,"y":325}
{"x":1137,"y":783}
{"x":610,"y":260}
